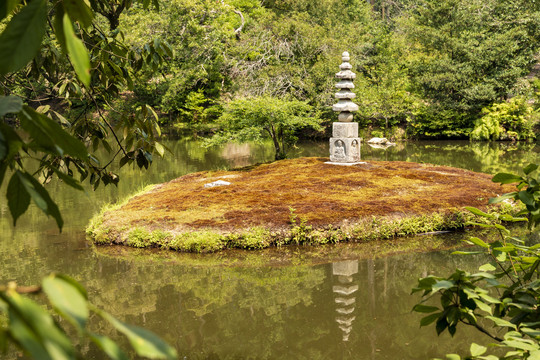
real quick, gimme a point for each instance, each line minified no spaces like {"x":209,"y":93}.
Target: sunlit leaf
{"x":534,"y":355}
{"x":159,"y":148}
{"x":21,"y":38}
{"x":108,"y":346}
{"x":502,"y":198}
{"x":521,"y":344}
{"x":144,"y":342}
{"x":483,"y":306}
{"x":32,"y":325}
{"x":501,"y":322}
{"x":67,"y":300}
{"x":487,"y":267}
{"x":478,"y":242}
{"x":77,"y":52}
{"x":477,"y":350}
{"x":478,"y":212}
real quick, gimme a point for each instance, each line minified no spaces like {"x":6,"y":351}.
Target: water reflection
{"x":344,"y":290}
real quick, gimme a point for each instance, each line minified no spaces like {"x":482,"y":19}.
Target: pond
{"x":347,"y":301}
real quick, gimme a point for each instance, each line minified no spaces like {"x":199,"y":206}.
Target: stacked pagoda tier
{"x":345,"y":143}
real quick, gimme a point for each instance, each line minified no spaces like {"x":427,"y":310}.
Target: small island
{"x":298,"y":201}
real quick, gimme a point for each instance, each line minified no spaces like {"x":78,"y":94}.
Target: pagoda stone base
{"x":345,"y":143}
{"x":345,"y":150}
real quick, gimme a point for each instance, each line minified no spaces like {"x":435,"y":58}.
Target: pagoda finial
{"x":345,"y":106}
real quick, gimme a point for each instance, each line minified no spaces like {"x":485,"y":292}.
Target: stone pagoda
{"x":345,"y":143}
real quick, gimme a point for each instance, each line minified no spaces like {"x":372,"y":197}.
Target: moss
{"x":198,"y":241}
{"x":302,"y":201}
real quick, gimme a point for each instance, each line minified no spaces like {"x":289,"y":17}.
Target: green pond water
{"x":334,"y":302}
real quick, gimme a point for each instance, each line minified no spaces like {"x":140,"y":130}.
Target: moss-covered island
{"x":295,"y":202}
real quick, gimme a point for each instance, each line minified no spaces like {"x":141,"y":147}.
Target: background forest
{"x":425,"y":69}
{"x":438,"y":69}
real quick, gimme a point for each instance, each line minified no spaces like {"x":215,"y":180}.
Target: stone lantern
{"x":345,"y":143}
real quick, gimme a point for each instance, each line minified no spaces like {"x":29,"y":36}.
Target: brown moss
{"x":322,"y":194}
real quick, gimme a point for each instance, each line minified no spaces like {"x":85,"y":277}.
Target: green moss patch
{"x":300,"y":201}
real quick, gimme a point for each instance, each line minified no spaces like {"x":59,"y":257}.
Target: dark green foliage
{"x":34,"y":331}
{"x":512,"y":269}
{"x":469,"y":54}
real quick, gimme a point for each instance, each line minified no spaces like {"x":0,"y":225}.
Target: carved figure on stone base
{"x":339,"y":151}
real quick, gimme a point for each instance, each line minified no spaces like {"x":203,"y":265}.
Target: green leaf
{"x":41,"y":197}
{"x":453,"y":357}
{"x":478,"y":212}
{"x":50,"y":135}
{"x":3,"y":168}
{"x":530,"y":168}
{"x":521,"y":344}
{"x":159,"y":148}
{"x":490,"y":299}
{"x":77,"y":52}
{"x":443,"y":284}
{"x":502,"y":198}
{"x":7,"y":6}
{"x":10,"y":105}
{"x":3,"y":148}
{"x":501,"y":322}
{"x":424,"y":308}
{"x":79,"y":11}
{"x":477,"y":350}
{"x":487,"y":267}
{"x":22,"y":36}
{"x":478,"y":242}
{"x":144,"y":342}
{"x":441,"y":325}
{"x":534,"y":355}
{"x":483,"y":306}
{"x":33,"y":327}
{"x":69,"y":180}
{"x":10,"y":142}
{"x":526,"y":197}
{"x":17,"y":196}
{"x":426,"y":320}
{"x":508,"y":248}
{"x":505,"y":178}
{"x":460,"y":252}
{"x":108,"y":346}
{"x":67,"y":299}
{"x":58,"y":26}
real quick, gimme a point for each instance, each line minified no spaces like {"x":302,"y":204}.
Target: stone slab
{"x":217,"y":183}
{"x":345,"y":130}
{"x":345,"y":164}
